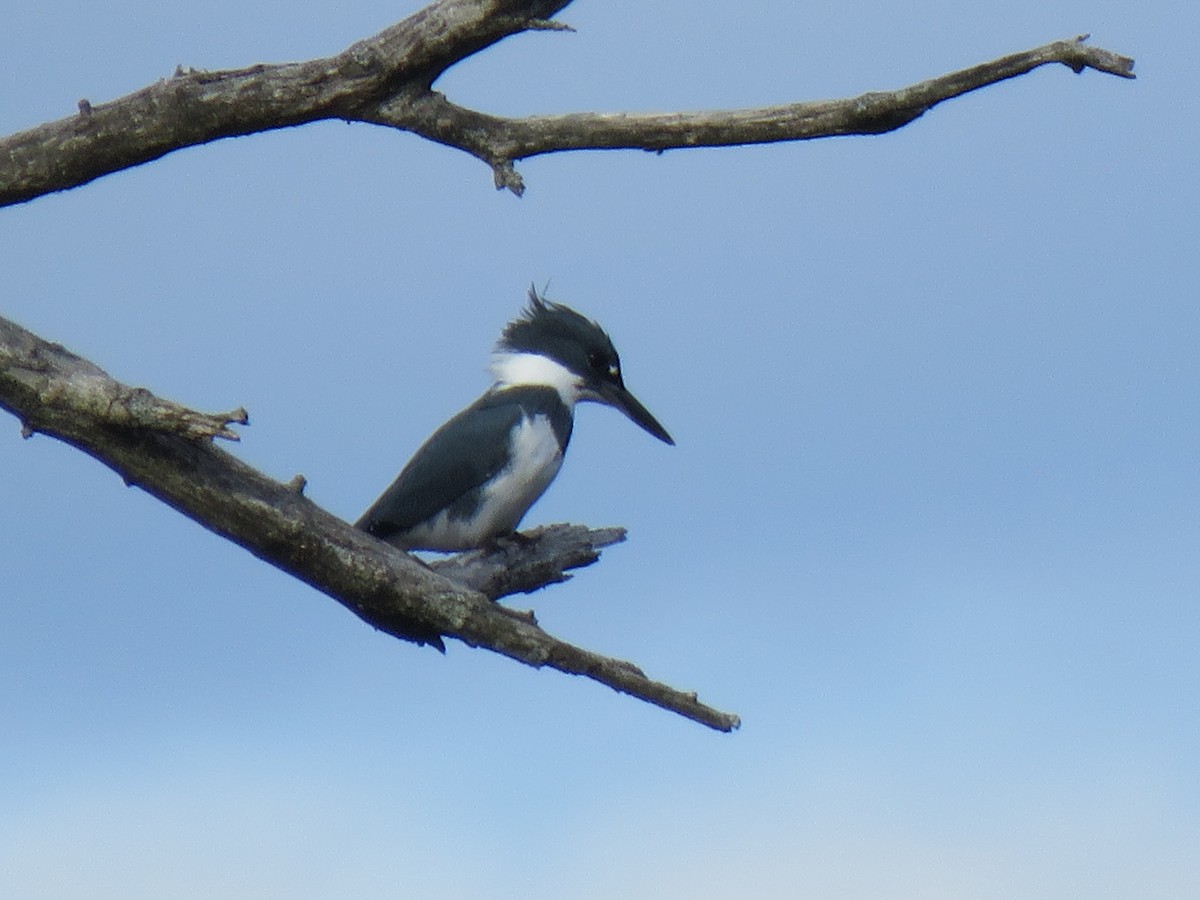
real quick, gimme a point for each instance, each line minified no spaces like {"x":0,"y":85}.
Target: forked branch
{"x":387,"y":79}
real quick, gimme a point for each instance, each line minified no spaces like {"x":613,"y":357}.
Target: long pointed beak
{"x":619,"y":397}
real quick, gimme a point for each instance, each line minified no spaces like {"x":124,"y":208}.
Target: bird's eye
{"x":604,"y":365}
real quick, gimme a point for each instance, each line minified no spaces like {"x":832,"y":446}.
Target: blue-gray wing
{"x":459,"y":457}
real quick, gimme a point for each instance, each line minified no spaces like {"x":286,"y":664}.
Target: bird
{"x":476,"y":477}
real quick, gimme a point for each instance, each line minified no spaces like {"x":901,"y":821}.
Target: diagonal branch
{"x":167,"y":451}
{"x":387,"y":79}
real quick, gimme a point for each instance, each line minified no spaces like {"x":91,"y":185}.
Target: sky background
{"x":931,"y":526}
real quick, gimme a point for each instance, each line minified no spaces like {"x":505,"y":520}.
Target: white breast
{"x":536,"y":459}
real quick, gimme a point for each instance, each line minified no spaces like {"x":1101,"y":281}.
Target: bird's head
{"x":551,"y":344}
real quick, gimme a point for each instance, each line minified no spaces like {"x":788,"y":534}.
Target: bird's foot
{"x":513,"y":542}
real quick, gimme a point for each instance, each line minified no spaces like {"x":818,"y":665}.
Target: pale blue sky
{"x":931,"y":526}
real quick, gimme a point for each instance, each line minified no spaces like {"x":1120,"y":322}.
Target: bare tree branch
{"x":387,"y":79}
{"x":501,"y":141}
{"x":166,"y":450}
{"x":529,"y":561}
{"x":194,"y":106}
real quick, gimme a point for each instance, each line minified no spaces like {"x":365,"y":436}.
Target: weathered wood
{"x":387,"y":80}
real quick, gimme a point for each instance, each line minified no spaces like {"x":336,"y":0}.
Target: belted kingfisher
{"x":478,"y":474}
